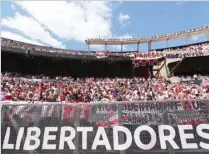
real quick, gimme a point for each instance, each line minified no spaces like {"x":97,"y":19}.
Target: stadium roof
{"x":119,"y":41}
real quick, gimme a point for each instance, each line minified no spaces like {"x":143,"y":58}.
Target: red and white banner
{"x":149,"y":55}
{"x":133,"y":113}
{"x":102,"y":54}
{"x":146,"y":62}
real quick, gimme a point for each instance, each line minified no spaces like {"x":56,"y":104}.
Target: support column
{"x":166,"y":43}
{"x":105,"y":47}
{"x":138,"y":46}
{"x":149,"y":46}
{"x":121,"y":47}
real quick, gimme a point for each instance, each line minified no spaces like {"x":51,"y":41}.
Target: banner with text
{"x":183,"y":54}
{"x":137,"y":127}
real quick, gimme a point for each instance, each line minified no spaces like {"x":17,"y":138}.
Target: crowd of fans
{"x":22,"y":45}
{"x":41,"y":88}
{"x":204,"y":47}
{"x":17,"y":87}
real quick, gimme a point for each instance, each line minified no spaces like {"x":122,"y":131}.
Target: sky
{"x":65,"y":24}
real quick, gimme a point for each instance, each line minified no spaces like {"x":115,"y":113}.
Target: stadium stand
{"x":41,"y":88}
{"x":49,"y":80}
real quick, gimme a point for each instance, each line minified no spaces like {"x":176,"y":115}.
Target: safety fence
{"x":174,"y":126}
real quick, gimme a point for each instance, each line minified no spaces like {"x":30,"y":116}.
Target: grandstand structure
{"x":44,"y":59}
{"x":148,"y":40}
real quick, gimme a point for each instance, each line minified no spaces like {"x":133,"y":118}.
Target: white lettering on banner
{"x":6,"y":144}
{"x":138,"y":141}
{"x":48,"y":137}
{"x":169,"y":138}
{"x":84,"y":131}
{"x":30,"y":137}
{"x":185,"y":136}
{"x":19,"y":138}
{"x":34,"y":133}
{"x":128,"y":142}
{"x":203,"y":135}
{"x":68,"y":139}
{"x":101,"y":132}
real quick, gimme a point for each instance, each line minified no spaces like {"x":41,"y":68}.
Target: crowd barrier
{"x":167,"y":127}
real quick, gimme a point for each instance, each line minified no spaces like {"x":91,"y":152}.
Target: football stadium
{"x":63,"y":101}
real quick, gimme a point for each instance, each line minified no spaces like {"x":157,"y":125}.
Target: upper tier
{"x":157,"y":38}
{"x":17,"y":44}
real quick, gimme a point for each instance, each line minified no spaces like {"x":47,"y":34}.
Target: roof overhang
{"x":120,"y":41}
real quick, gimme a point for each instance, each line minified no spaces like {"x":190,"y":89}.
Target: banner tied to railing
{"x":183,"y":54}
{"x":136,"y":127}
{"x":167,"y":54}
